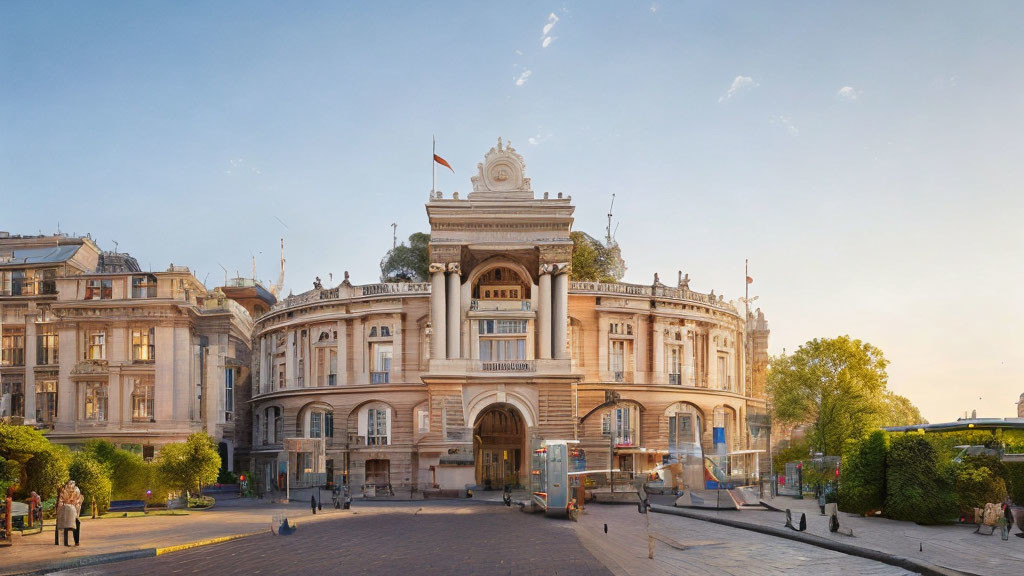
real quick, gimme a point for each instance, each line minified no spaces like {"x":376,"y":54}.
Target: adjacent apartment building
{"x":94,"y":347}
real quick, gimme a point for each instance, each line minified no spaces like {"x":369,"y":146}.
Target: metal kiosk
{"x":552,"y":463}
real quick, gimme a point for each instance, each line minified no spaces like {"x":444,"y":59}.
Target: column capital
{"x":455,"y":268}
{"x":560,"y":268}
{"x":436,"y":267}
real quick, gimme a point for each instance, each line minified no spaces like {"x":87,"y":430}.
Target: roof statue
{"x":501,"y":176}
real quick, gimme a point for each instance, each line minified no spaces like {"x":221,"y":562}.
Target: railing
{"x":396,"y":288}
{"x":348,"y":291}
{"x":380,"y":377}
{"x":651,"y":291}
{"x":502,"y":305}
{"x":617,"y":376}
{"x":675,"y":379}
{"x":507,"y":366}
{"x":332,"y":379}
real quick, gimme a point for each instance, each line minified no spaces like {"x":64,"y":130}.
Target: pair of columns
{"x":553,"y":311}
{"x":445,"y":310}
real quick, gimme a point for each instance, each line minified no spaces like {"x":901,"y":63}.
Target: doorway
{"x":499,"y":438}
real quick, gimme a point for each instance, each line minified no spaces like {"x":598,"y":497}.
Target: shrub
{"x":10,"y":475}
{"x":91,"y":478}
{"x":862,"y":474}
{"x":919,"y":487}
{"x":226,"y":477}
{"x":1015,"y":481}
{"x":977,"y":486}
{"x":186,"y":466}
{"x":47,"y":471}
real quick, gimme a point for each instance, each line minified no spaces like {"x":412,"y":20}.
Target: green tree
{"x":18,"y":446}
{"x":593,"y":261}
{"x":900,"y":411}
{"x":48,"y":470}
{"x":832,"y":385}
{"x":920,"y":486}
{"x":188,"y":465}
{"x":92,"y":479}
{"x":407,"y":263}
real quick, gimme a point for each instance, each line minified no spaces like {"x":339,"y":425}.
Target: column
{"x":29,"y":384}
{"x":544,"y":313}
{"x":342,"y":353}
{"x":290,"y":359}
{"x":688,"y":376}
{"x":438,"y":332}
{"x":658,"y":348}
{"x":454,"y":311}
{"x":560,"y":312}
{"x":397,"y":349}
{"x":264,"y":382}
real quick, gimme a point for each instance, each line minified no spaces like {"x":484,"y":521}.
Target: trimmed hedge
{"x":976,"y":486}
{"x":919,"y":487}
{"x":862,"y":474}
{"x":1015,"y":481}
{"x":91,"y":478}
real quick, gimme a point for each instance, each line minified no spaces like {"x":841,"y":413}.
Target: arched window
{"x":319,"y":422}
{"x":624,"y":423}
{"x":375,"y":424}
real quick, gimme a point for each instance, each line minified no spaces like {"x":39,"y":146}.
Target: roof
{"x":47,"y":255}
{"x":963,"y":424}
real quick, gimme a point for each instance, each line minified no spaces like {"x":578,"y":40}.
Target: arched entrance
{"x":499,"y":441}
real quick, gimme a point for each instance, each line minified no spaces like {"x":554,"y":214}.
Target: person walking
{"x":69,"y":506}
{"x":312,"y":503}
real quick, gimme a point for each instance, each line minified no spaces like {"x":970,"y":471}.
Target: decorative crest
{"x":502,"y":175}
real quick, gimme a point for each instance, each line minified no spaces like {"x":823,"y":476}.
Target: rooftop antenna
{"x":394,"y":235}
{"x":253,"y":265}
{"x":608,"y":234}
{"x":276,"y":288}
{"x":225,"y":273}
{"x":115,"y":246}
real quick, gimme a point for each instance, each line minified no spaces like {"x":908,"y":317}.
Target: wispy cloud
{"x":523,"y":77}
{"x":546,"y":33}
{"x":739,"y":84}
{"x":848,"y":93}
{"x":539,"y":138}
{"x":786,"y":123}
{"x":519,"y":52}
{"x":654,"y":8}
{"x":239,"y":165}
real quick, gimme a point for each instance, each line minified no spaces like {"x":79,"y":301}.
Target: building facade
{"x":93,"y":347}
{"x":448,"y":383}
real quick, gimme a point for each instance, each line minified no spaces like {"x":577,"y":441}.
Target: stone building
{"x":448,"y":383}
{"x":93,"y":347}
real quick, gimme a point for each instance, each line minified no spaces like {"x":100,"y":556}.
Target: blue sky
{"x":866,"y":157}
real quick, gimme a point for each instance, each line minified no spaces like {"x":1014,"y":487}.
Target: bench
{"x":127,"y":506}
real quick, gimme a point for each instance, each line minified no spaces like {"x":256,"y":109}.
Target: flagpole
{"x":433,"y":165}
{"x":746,"y":319}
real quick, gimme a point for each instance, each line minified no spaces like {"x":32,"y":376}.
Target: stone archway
{"x":499,"y":446}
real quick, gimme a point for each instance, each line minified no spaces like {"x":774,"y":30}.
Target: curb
{"x":206,"y":542}
{"x":112,"y":557}
{"x":876,"y":555}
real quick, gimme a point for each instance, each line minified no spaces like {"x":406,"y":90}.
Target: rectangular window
{"x":97,"y":348}
{"x":377,"y":427}
{"x":624,"y":423}
{"x":143,"y":287}
{"x":16,"y":391}
{"x":315,"y":424}
{"x":46,"y":401}
{"x":502,"y":326}
{"x":143,"y":345}
{"x":142,"y":400}
{"x":328,"y":424}
{"x":6,"y":283}
{"x":99,"y":289}
{"x":13,"y":349}
{"x":47,"y":344}
{"x":423,"y":418}
{"x":95,"y":407}
{"x":229,"y":393}
{"x":724,"y":381}
{"x":382,"y":354}
{"x":617,"y":358}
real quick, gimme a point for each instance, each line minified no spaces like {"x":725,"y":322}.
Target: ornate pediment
{"x":89,"y":367}
{"x":502,"y":175}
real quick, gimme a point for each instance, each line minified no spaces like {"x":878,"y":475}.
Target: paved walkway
{"x":951,"y":547}
{"x":431,"y":537}
{"x":692,"y":547}
{"x":112,"y":535}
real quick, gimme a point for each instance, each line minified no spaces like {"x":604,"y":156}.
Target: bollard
{"x":803,"y":522}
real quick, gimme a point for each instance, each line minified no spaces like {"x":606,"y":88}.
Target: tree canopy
{"x":837,"y":388}
{"x":407,"y":263}
{"x":593,"y":261}
{"x":190,"y":464}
